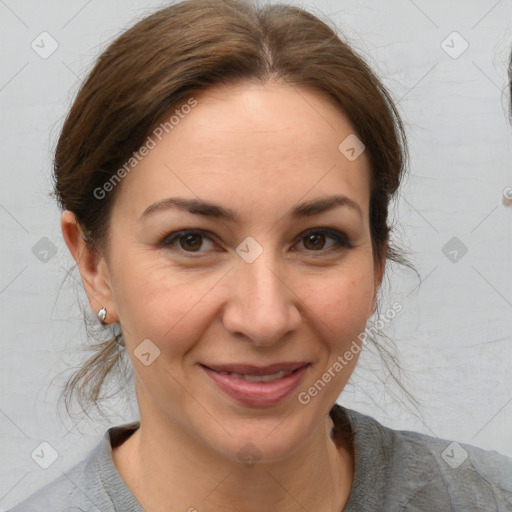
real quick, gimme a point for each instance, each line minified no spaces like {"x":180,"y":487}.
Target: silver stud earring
{"x":102,"y":314}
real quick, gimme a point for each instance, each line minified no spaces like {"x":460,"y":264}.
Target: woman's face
{"x":277,"y":275}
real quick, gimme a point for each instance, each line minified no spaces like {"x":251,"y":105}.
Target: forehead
{"x":248,"y":143}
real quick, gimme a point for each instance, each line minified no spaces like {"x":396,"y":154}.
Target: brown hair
{"x":183,"y":49}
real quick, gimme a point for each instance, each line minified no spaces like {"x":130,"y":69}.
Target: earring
{"x":102,"y":314}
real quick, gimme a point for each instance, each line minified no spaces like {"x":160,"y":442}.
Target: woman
{"x":225,"y":174}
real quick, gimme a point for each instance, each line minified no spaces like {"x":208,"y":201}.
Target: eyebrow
{"x":199,"y":207}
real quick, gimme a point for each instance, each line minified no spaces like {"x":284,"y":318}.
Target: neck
{"x":162,"y":465}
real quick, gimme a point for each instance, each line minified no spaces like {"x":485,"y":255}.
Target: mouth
{"x":257,"y":386}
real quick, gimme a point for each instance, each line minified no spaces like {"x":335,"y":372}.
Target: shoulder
{"x":86,"y":487}
{"x":428,"y":473}
{"x":62,"y":492}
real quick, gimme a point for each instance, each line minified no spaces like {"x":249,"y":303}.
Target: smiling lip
{"x":281,"y":379}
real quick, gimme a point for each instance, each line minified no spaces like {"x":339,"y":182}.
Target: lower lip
{"x":257,"y":394}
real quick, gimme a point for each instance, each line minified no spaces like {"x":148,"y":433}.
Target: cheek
{"x":342,"y":302}
{"x":173,"y":307}
{"x":161,"y":303}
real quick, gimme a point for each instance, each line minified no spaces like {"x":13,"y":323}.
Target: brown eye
{"x":188,"y":241}
{"x":191,"y":242}
{"x":314,"y":241}
{"x":323,"y":240}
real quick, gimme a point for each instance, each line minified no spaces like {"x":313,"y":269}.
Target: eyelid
{"x":176,"y":235}
{"x":338,"y":236}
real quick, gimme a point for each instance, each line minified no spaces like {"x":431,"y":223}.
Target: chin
{"x":265,"y":438}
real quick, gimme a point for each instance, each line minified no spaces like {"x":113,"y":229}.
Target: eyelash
{"x":340,"y":239}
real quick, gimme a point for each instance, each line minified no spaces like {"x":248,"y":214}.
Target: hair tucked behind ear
{"x":87,"y":385}
{"x":181,"y":50}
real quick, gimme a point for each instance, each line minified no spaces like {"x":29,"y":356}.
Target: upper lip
{"x":248,"y":369}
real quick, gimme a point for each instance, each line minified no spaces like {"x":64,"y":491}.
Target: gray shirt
{"x":394,"y":471}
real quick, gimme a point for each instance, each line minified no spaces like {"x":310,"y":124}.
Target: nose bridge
{"x":262,"y":307}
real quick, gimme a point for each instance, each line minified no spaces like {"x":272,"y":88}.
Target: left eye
{"x":192,"y":241}
{"x":315,"y":240}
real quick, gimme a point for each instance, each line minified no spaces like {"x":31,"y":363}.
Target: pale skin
{"x":258,"y":150}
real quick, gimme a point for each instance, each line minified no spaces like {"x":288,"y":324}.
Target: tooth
{"x":236,"y":375}
{"x":253,"y":378}
{"x":265,"y":378}
{"x":278,"y":375}
{"x":257,"y":378}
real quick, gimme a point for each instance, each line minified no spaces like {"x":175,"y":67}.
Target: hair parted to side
{"x":171,"y":55}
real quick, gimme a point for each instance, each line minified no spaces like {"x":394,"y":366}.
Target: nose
{"x":263,"y":307}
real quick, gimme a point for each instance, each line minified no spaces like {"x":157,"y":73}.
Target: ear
{"x":378,"y":275}
{"x":92,"y":266}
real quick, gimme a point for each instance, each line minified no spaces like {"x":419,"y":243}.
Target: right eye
{"x":189,"y":240}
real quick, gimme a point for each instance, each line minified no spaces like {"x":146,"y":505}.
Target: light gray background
{"x":454,"y":334}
